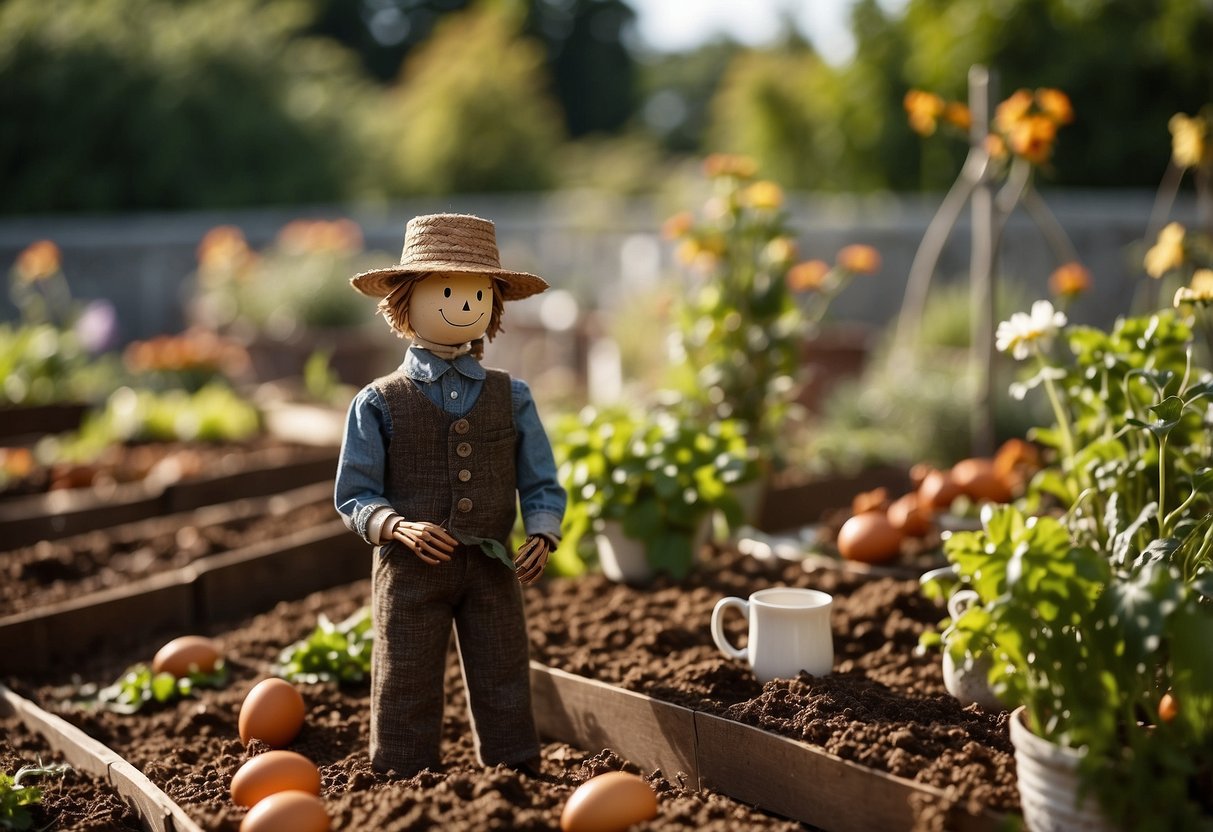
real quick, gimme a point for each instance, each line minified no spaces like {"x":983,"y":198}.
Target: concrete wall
{"x":598,"y":247}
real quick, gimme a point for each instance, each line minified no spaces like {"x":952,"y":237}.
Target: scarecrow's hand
{"x":428,"y":541}
{"x":531,"y":559}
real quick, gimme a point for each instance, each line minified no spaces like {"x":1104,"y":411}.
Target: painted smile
{"x":452,"y":323}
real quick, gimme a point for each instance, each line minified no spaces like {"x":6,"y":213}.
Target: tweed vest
{"x":457,"y":472}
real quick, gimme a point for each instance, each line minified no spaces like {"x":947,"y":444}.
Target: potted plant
{"x":646,"y":485}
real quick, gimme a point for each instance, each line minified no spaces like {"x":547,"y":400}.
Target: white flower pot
{"x":1048,"y":784}
{"x":623,"y":559}
{"x":968,"y":681}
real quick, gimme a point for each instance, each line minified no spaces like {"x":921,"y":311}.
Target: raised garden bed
{"x":189,"y":477}
{"x":20,"y":424}
{"x":191,"y":748}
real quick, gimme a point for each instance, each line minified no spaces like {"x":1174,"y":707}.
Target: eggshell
{"x":937,"y":490}
{"x":289,"y":811}
{"x":273,"y":772}
{"x":875,"y":500}
{"x":979,"y":480}
{"x":272,"y":712}
{"x":180,"y":654}
{"x":869,"y":538}
{"x":908,"y":517}
{"x":609,"y":803}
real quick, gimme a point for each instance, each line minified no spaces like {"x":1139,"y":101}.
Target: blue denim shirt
{"x":454,"y":386}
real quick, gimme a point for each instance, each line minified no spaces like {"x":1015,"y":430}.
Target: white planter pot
{"x":623,"y":559}
{"x":1048,"y":784}
{"x":968,"y":681}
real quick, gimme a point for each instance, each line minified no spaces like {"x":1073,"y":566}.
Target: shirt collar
{"x":424,"y":367}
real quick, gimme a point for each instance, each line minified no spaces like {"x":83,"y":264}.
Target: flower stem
{"x":1063,"y":420}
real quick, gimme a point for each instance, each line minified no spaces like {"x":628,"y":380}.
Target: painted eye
{"x":447,"y":291}
{"x":479,"y":295}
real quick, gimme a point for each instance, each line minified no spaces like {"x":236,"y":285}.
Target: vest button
{"x":465,"y":475}
{"x":461,"y":427}
{"x":464,"y":449}
{"x":464,"y":505}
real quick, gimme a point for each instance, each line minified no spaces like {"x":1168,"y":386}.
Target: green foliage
{"x":660,"y":474}
{"x":338,"y":653}
{"x":152,"y":104}
{"x":16,"y":798}
{"x":43,"y":364}
{"x":472,"y":113}
{"x":139,"y":687}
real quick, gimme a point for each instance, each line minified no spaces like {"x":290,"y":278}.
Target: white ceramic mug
{"x":789,"y":632}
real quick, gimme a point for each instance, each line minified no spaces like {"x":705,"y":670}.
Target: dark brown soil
{"x":884,"y":706}
{"x":57,"y":570}
{"x":76,"y":801}
{"x":191,"y":749}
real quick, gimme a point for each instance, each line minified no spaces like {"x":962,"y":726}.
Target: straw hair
{"x":449,"y":243}
{"x":394,"y":308}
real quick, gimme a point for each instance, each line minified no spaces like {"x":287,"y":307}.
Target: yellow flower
{"x":678,"y":225}
{"x":808,"y":276}
{"x":1167,"y":253}
{"x":1189,"y":139}
{"x":38,"y":261}
{"x":223,"y":248}
{"x":1010,"y":112}
{"x":729,"y":164}
{"x":859,"y":259}
{"x":1070,"y":279}
{"x":1056,"y":105}
{"x":781,"y":250}
{"x":764,"y":195}
{"x":958,"y":115}
{"x":687,"y":251}
{"x":1032,"y":138}
{"x":922,"y":110}
{"x":1199,"y":291}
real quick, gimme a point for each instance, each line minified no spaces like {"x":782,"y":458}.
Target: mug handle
{"x":718,"y":635}
{"x":960,"y":601}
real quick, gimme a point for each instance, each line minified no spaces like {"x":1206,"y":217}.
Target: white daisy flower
{"x":1025,"y":333}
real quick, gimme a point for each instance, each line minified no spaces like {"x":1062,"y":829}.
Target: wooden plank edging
{"x":156,"y":811}
{"x":780,"y":775}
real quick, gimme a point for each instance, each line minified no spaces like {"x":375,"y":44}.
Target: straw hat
{"x":449,"y":243}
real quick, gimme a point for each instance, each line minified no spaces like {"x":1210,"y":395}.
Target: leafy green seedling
{"x":16,"y":798}
{"x":139,"y":685}
{"x":332,"y":653}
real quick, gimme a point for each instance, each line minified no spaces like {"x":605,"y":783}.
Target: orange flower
{"x":223,"y":249}
{"x":343,"y":236}
{"x":1189,"y":140}
{"x":958,"y":115}
{"x":38,"y":261}
{"x":1070,"y":279}
{"x":1032,"y":138}
{"x":1167,"y":253}
{"x":687,"y":251}
{"x":764,"y":195}
{"x":678,"y":225}
{"x":808,"y":276}
{"x":1010,"y":112}
{"x":996,"y":146}
{"x":729,"y":164}
{"x":922,"y":110}
{"x":1055,"y":104}
{"x":859,"y":259}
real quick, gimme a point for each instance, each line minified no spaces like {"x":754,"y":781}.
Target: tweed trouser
{"x":414,"y":606}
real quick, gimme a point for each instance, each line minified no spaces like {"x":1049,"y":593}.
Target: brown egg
{"x":289,"y":811}
{"x":875,"y":500}
{"x":272,"y":712}
{"x":273,"y":772}
{"x":908,"y":517}
{"x":869,"y":538}
{"x":937,"y":490}
{"x":181,"y":654}
{"x":979,"y":480}
{"x":609,"y":803}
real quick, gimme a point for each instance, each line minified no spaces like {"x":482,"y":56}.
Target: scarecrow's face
{"x":451,"y":309}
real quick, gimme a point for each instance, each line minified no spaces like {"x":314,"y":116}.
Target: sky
{"x":679,"y":25}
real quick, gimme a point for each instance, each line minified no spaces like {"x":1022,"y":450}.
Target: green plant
{"x":16,"y":798}
{"x":338,"y":653}
{"x":660,"y":474}
{"x":737,"y":349}
{"x":140,"y":686}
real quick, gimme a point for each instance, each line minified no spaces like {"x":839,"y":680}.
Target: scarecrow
{"x":437,"y":456}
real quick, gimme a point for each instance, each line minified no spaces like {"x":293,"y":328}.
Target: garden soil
{"x":884,"y":706}
{"x":76,"y":800}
